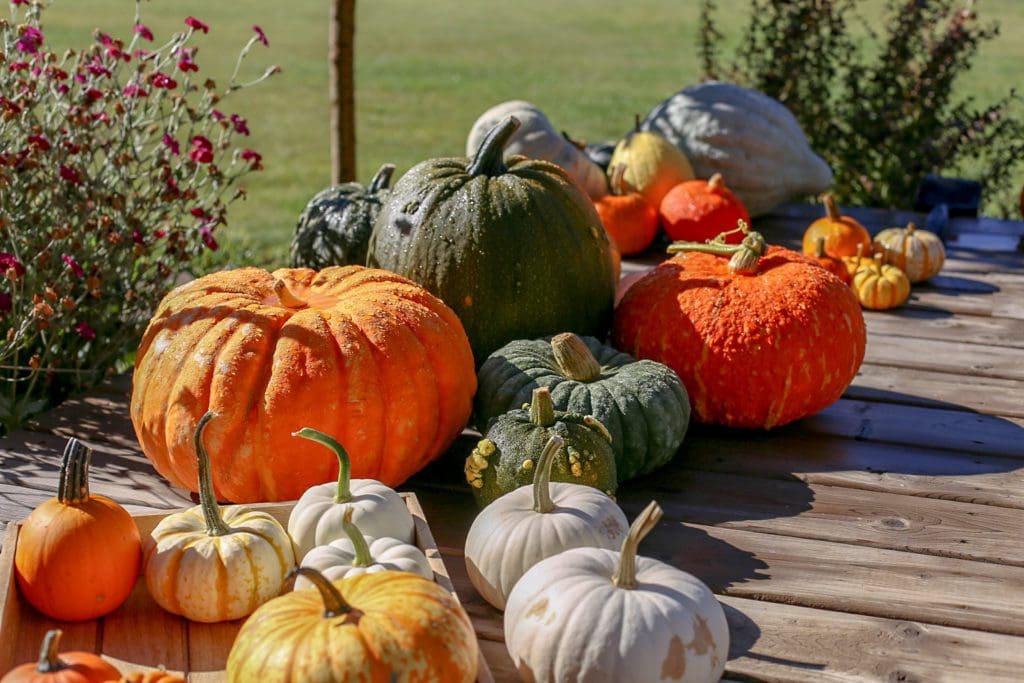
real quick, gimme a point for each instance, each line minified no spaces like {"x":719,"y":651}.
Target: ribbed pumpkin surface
{"x":752,"y":350}
{"x":371,"y":359}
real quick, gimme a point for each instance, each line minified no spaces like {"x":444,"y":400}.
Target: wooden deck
{"x":881,"y":540}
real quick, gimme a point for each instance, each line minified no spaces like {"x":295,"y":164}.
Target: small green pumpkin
{"x":513,"y":247}
{"x":334,"y":228}
{"x":505,"y":458}
{"x":643,"y":404}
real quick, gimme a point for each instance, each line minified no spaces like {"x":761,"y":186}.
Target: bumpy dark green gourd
{"x":514,"y":248}
{"x":334,"y":228}
{"x":505,"y":458}
{"x":643,"y":404}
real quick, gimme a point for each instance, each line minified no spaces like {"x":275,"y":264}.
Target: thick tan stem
{"x":542,"y":409}
{"x":715,"y":182}
{"x":287,"y":297}
{"x":574,"y":358}
{"x":625,"y":574}
{"x":830,"y":207}
{"x":542,"y":477}
{"x":73,"y":487}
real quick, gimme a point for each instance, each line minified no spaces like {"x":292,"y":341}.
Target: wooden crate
{"x":140,"y":635}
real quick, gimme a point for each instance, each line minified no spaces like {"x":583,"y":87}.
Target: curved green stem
{"x":542,"y":409}
{"x":574,"y":359}
{"x":359,"y":545}
{"x":489,"y":159}
{"x":542,"y":477}
{"x":73,"y":486}
{"x":49,"y":661}
{"x":745,"y":256}
{"x":382,"y":179}
{"x":215,"y":524}
{"x":625,"y":573}
{"x":334,"y":602}
{"x":344,"y":492}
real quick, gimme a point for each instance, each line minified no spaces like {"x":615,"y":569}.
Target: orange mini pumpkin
{"x":78,"y":555}
{"x":842,"y":234}
{"x":628,"y":218}
{"x":698,"y":210}
{"x":359,"y":353}
{"x":65,"y":667}
{"x":831,"y":263}
{"x":152,"y":676}
{"x":759,"y":339}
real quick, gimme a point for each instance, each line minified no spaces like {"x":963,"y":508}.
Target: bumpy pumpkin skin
{"x":754,"y":351}
{"x":334,"y":228}
{"x":515,"y":248}
{"x":374,"y":360}
{"x":643,"y":404}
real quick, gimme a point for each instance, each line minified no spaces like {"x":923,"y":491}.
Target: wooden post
{"x":342,"y":91}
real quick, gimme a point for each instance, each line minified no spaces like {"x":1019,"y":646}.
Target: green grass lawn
{"x":425,"y":71}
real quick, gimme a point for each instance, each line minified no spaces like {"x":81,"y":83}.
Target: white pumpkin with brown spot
{"x":210,"y":565}
{"x":598,"y":616}
{"x":535,"y":522}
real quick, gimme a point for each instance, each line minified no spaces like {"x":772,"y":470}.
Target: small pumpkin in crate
{"x":630,"y":219}
{"x":367,"y":355}
{"x":534,"y":522}
{"x":744,"y":327}
{"x":699,"y":210}
{"x":513,"y":246}
{"x":656,"y":622}
{"x":334,"y":228}
{"x":62,"y":667}
{"x":385,"y":627}
{"x":918,"y":253}
{"x":880,"y":286}
{"x":653,"y":164}
{"x":832,"y":264}
{"x":505,"y":458}
{"x":56,"y":562}
{"x":643,"y":404}
{"x":211,"y":565}
{"x":842,"y":233}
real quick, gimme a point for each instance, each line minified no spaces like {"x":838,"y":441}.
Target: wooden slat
{"x":140,"y":635}
{"x":927,"y":389}
{"x":955,"y":358}
{"x":1002,"y":304}
{"x":931,"y":324}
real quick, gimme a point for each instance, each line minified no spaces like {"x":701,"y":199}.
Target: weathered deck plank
{"x":927,"y":389}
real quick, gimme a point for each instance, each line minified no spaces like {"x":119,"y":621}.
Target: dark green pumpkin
{"x":334,"y":228}
{"x":514,"y":248}
{"x":643,"y":404}
{"x":505,"y":458}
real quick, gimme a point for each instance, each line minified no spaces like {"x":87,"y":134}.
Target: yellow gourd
{"x":653,"y":164}
{"x":879,"y":286}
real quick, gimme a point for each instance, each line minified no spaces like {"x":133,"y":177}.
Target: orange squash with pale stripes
{"x":362,"y":354}
{"x":918,"y":253}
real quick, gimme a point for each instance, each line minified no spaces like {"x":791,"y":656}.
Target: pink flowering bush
{"x":116,"y":169}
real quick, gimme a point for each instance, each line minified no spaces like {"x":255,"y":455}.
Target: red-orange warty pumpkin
{"x":362,"y":354}
{"x":698,"y":210}
{"x":760,"y":339}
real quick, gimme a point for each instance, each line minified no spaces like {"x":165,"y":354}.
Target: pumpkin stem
{"x":578,"y":144}
{"x":359,"y":545}
{"x":344,"y":492}
{"x":715,"y":182}
{"x":49,"y":661}
{"x":636,"y":123}
{"x":286,"y":297}
{"x":878,"y":263}
{"x":542,"y":477}
{"x":382,"y":179}
{"x":542,"y":409}
{"x":574,"y":358}
{"x":215,"y":524}
{"x":617,"y":181}
{"x":489,"y":159}
{"x":819,"y":250}
{"x":334,"y":602}
{"x":73,"y":487}
{"x":597,"y":426}
{"x":625,"y":574}
{"x":911,"y":228}
{"x":744,"y":256}
{"x":830,"y":207}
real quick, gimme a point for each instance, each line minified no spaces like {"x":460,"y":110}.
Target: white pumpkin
{"x":317,"y":518}
{"x":211,"y":565}
{"x":600,"y":616}
{"x":534,"y":522}
{"x":918,"y":253}
{"x":537,"y":138}
{"x":748,"y":137}
{"x":358,"y":554}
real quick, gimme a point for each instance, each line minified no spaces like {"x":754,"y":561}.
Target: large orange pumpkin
{"x":66,"y":667}
{"x":759,"y":339}
{"x":363,"y":354}
{"x":78,"y":555}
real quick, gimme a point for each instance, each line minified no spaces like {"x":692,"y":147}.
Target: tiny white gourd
{"x":537,"y":138}
{"x":751,"y":139}
{"x":596,"y":615}
{"x":534,"y":522}
{"x":317,"y":518}
{"x":212,"y":564}
{"x":359,"y":554}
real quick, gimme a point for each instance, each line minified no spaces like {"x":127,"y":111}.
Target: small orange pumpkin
{"x":152,"y":676}
{"x":831,"y":263}
{"x":698,"y":210}
{"x":842,"y":234}
{"x":65,"y":667}
{"x":78,"y":555}
{"x":628,"y":218}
